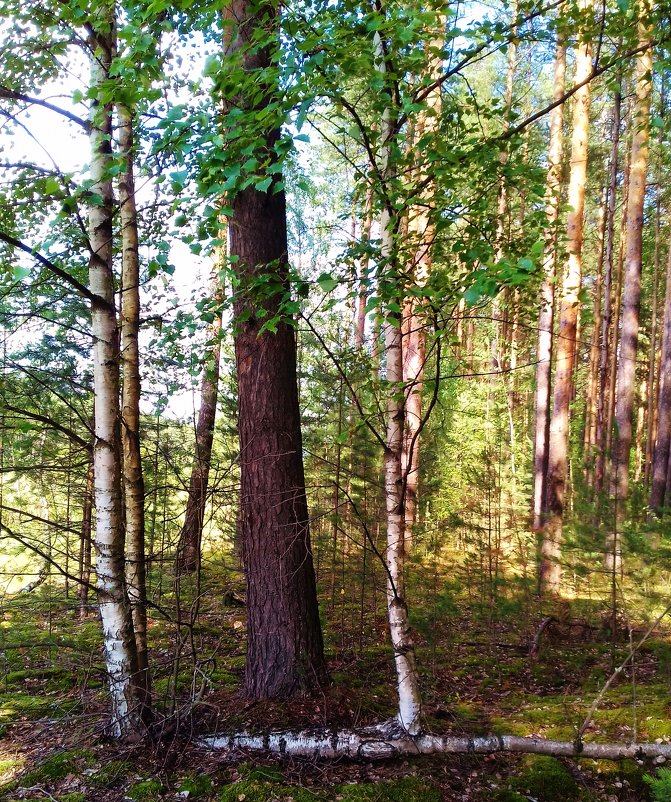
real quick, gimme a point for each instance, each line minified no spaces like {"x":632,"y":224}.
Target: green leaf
{"x":20,"y":272}
{"x":327,"y":282}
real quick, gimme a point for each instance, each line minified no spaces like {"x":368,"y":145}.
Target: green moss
{"x":56,"y":767}
{"x":109,"y":774}
{"x":547,"y":779}
{"x":197,"y":785}
{"x":406,"y":789}
{"x":221,"y":677}
{"x":145,"y":791}
{"x":74,"y":796}
{"x":16,"y":705}
{"x":256,"y":791}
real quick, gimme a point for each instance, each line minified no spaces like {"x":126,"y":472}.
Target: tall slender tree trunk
{"x":592,"y":401}
{"x":550,"y":566}
{"x":660,"y":461}
{"x":607,"y":309}
{"x":189,"y":550}
{"x":545,"y":319}
{"x":284,"y":640}
{"x":653,"y":359}
{"x":127,"y":693}
{"x":133,"y":480}
{"x":410,"y":704}
{"x":421,"y":234}
{"x":626,"y":369}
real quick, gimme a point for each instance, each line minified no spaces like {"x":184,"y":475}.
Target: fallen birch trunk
{"x":385,"y":741}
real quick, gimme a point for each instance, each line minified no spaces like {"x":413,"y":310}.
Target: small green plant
{"x":145,"y":791}
{"x":197,"y":786}
{"x":660,"y":786}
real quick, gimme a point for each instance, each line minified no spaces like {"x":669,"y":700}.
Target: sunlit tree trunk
{"x":118,"y":636}
{"x":544,"y":348}
{"x":550,"y":566}
{"x":421,"y":233}
{"x":133,"y":481}
{"x":626,"y":369}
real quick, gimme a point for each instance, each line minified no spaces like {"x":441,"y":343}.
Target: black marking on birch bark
{"x":283,"y":745}
{"x":470,"y":746}
{"x":502,"y":745}
{"x":266,"y":741}
{"x":578,"y":745}
{"x":333,"y":741}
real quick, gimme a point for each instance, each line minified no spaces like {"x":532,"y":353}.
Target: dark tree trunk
{"x":284,"y":640}
{"x":189,"y":548}
{"x":284,"y":648}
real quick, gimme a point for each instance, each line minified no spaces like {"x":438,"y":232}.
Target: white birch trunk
{"x":410,"y":706}
{"x":118,"y":635}
{"x":383,"y":743}
{"x":133,"y":480}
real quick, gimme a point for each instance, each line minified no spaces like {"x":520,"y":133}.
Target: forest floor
{"x":478,"y":678}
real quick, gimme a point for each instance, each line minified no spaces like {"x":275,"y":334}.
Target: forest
{"x":335,"y":400}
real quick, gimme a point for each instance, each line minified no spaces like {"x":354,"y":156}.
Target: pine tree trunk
{"x":607,"y":311}
{"x":550,"y":566}
{"x":421,"y":233}
{"x":592,"y":402}
{"x":626,"y":370}
{"x":544,"y":348}
{"x":660,"y":462}
{"x":133,"y":481}
{"x":284,"y":640}
{"x":118,"y":636}
{"x":190,"y":537}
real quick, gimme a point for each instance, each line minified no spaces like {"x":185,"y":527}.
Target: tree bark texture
{"x":133,"y":480}
{"x":284,"y":640}
{"x":118,"y":635}
{"x":546,"y":315}
{"x":550,"y":567}
{"x":626,"y":370}
{"x":379,"y":743}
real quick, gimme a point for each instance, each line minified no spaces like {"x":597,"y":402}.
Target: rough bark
{"x":284,"y":640}
{"x":545,"y":319}
{"x":118,"y":637}
{"x":626,"y":370}
{"x":133,"y":480}
{"x":550,"y":567}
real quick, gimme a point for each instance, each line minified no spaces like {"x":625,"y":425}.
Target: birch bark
{"x":118,"y":635}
